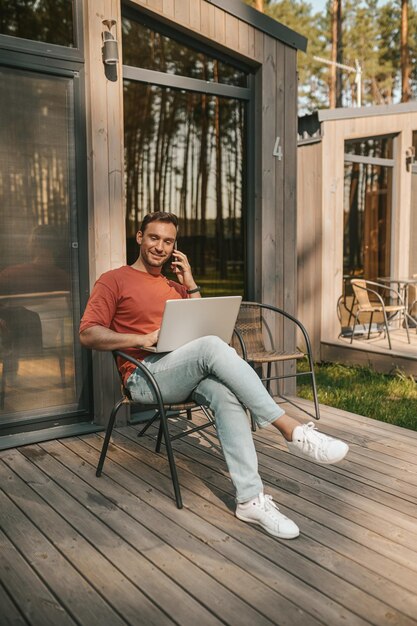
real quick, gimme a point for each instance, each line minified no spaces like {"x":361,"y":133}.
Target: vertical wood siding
{"x":275,"y":181}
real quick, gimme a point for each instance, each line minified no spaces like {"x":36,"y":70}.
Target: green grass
{"x":361,"y":390}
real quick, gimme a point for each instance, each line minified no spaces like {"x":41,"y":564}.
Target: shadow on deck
{"x":76,"y":549}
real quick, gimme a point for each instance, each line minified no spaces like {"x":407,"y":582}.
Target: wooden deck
{"x":76,"y":549}
{"x":375,"y":352}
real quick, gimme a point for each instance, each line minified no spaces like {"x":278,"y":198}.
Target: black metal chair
{"x":255,"y":339}
{"x":163,"y":412}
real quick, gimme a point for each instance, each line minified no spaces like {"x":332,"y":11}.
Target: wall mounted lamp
{"x":410,"y":157}
{"x":110,"y":48}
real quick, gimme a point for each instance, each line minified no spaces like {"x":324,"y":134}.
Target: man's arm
{"x":101,"y":338}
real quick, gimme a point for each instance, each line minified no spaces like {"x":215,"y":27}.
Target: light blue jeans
{"x":212,"y":373}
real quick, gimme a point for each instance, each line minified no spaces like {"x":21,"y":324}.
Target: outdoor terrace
{"x":375,"y":351}
{"x":76,"y":549}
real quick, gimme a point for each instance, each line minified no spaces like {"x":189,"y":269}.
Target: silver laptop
{"x":188,"y":319}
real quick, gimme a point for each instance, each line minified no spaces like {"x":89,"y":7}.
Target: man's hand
{"x":182,"y":269}
{"x":146,"y":341}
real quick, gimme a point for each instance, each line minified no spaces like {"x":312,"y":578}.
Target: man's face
{"x":156,"y":243}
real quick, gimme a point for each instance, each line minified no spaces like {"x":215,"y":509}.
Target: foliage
{"x":361,"y":390}
{"x":371,"y":36}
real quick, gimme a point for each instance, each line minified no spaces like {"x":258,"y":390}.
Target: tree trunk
{"x":259,"y":4}
{"x":335,"y":93}
{"x":405,"y":55}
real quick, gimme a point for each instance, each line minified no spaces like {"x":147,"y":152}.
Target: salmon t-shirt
{"x":130,"y":301}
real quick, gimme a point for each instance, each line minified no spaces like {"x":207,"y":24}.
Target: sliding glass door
{"x":39,"y":304}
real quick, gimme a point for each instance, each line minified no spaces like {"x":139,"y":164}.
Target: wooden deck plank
{"x":36,"y":602}
{"x":74,"y":593}
{"x":122,"y":538}
{"x":243,"y":556}
{"x":363,"y":472}
{"x":342,"y":514}
{"x":273,"y":452}
{"x":141,"y":537}
{"x":326,"y":516}
{"x":287,"y":465}
{"x":10,"y":614}
{"x":125,"y":597}
{"x":204,"y":556}
{"x":313,"y":576}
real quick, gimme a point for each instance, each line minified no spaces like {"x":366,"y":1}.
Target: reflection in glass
{"x":36,"y":320}
{"x":377,"y":147}
{"x":184,"y":153}
{"x":367,"y":220}
{"x":38,"y":20}
{"x":146,"y":48}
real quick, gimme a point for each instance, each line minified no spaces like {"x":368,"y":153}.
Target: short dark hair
{"x":159,"y":216}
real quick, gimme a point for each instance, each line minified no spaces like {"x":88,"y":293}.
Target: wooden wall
{"x":309,"y":247}
{"x":274,"y":66}
{"x":335,"y":132}
{"x":320,"y":210}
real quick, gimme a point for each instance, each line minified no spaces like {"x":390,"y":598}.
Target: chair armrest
{"x":144,"y":370}
{"x":292,"y":319}
{"x":386,"y":287}
{"x":242,"y":344}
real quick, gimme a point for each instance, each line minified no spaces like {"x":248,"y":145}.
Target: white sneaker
{"x":264,"y":512}
{"x":307,"y":442}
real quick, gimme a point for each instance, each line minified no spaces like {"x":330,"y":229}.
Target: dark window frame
{"x":246,"y":94}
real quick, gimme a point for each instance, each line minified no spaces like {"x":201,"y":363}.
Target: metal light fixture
{"x":410,"y":157}
{"x":110,"y":48}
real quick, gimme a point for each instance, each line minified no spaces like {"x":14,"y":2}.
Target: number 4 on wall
{"x":277,"y":151}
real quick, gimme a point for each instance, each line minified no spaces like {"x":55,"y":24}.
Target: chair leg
{"x":159,"y":436}
{"x":174,"y":476}
{"x":147,"y":425}
{"x":314,"y":386}
{"x":268,"y":378}
{"x":370,"y":325}
{"x":208,"y":416}
{"x":354,"y":327}
{"x":106,"y":441}
{"x":406,"y":326}
{"x":387,"y":329}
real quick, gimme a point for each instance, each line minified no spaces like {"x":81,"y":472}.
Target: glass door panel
{"x":367,"y":208}
{"x":38,"y":279}
{"x":184,"y":153}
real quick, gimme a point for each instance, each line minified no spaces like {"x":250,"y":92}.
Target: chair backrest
{"x":361,"y":293}
{"x":412,"y":298}
{"x":250,"y":325}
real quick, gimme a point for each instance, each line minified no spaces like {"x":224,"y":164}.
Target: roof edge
{"x":326,"y":115}
{"x":262,"y":22}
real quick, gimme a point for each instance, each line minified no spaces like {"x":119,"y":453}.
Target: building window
{"x":145,"y":47}
{"x":368,"y":207}
{"x":39,"y":20}
{"x":185,"y":152}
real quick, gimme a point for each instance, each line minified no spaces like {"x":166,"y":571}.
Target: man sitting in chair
{"x":124,"y":312}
